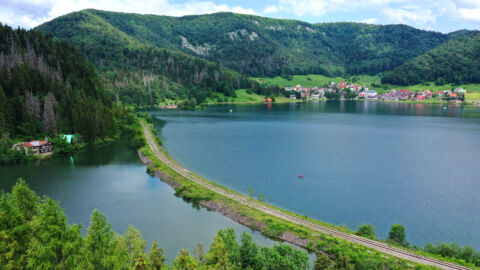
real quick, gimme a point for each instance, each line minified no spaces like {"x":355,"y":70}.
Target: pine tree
{"x":217,"y":257}
{"x":156,"y":259}
{"x":249,"y":253}
{"x":25,"y":199}
{"x":54,"y":245}
{"x":134,"y":244}
{"x":140,"y":263}
{"x":184,"y":261}
{"x":100,"y":246}
{"x":14,"y":234}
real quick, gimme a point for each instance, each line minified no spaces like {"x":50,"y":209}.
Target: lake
{"x":112,"y":179}
{"x":363,"y":162}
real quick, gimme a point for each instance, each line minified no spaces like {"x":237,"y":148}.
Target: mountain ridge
{"x":262,"y":46}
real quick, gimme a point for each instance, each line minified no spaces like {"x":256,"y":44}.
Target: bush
{"x":8,"y":155}
{"x":366,"y":230}
{"x":397,"y":235}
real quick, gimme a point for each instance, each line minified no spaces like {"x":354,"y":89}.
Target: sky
{"x":436,"y":15}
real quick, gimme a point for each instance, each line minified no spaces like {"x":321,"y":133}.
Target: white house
{"x":371,"y":94}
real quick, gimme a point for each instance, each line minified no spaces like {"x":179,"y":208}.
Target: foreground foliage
{"x":34,"y":234}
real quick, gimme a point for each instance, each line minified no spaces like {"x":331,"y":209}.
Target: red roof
{"x":34,"y":143}
{"x":404,"y":91}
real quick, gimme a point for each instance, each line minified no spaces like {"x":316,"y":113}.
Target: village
{"x":344,"y":90}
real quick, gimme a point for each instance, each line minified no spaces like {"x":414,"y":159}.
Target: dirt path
{"x":384,"y":248}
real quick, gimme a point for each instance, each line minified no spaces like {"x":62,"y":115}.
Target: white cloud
{"x":370,"y":20}
{"x":14,"y":12}
{"x":470,"y":14}
{"x":271,"y":9}
{"x":409,"y":14}
{"x":320,"y":7}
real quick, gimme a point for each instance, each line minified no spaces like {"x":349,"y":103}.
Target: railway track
{"x":381,"y":247}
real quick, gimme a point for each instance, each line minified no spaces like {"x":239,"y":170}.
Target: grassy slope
{"x":312,"y":80}
{"x":243,"y":97}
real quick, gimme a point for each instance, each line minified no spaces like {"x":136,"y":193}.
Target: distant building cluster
{"x":318,"y":93}
{"x":457,"y":95}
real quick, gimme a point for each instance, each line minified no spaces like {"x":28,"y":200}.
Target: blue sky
{"x":440,"y":15}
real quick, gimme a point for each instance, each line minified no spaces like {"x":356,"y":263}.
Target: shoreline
{"x":434,"y":102}
{"x":296,"y":229}
{"x":223,"y":210}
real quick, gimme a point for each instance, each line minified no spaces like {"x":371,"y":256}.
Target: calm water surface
{"x":375,"y":163}
{"x":112,"y":180}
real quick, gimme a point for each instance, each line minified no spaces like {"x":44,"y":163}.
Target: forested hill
{"x":139,"y":72}
{"x":48,"y":87}
{"x":456,"y":61}
{"x":252,"y":45}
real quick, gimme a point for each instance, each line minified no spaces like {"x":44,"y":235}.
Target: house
{"x":39,"y":147}
{"x":459,"y":90}
{"x":371,"y":94}
{"x":361,"y":95}
{"x":315,"y":96}
{"x":268,"y":100}
{"x":292,"y":96}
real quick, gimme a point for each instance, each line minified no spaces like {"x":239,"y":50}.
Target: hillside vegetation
{"x":456,"y":61}
{"x":141,"y":73}
{"x":145,"y":59}
{"x":253,"y":45}
{"x":48,"y":87}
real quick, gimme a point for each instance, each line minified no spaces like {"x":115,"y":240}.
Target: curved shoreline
{"x":244,"y":201}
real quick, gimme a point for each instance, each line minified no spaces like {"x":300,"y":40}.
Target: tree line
{"x":35,"y":234}
{"x":456,"y":61}
{"x":48,"y":87}
{"x":463,"y":255}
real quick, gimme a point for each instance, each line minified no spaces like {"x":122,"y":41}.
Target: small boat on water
{"x":231,"y":110}
{"x":300,"y":176}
